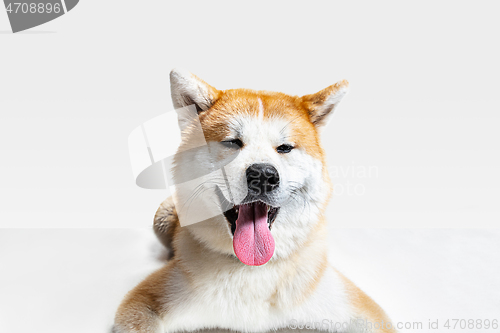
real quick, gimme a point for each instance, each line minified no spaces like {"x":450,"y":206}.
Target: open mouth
{"x":232,"y":215}
{"x":250,"y":225}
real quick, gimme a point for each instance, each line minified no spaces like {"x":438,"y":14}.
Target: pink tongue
{"x":252,"y":242}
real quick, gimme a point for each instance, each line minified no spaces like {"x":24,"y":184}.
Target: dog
{"x":262,"y":264}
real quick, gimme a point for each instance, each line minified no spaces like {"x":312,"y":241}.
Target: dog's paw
{"x":165,"y":223}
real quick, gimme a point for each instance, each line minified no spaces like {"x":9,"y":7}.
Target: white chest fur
{"x":223,"y":293}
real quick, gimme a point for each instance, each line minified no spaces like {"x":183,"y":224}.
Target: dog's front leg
{"x":142,"y":308}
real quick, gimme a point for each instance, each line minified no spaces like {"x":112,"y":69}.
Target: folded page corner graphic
{"x":170,"y":152}
{"x":25,"y":15}
{"x":70,"y":4}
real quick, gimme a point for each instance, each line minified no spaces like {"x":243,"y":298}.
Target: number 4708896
{"x":23,"y":7}
{"x":471,"y":324}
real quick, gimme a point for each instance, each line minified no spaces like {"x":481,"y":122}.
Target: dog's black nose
{"x":262,"y":178}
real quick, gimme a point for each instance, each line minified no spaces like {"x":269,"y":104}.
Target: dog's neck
{"x":204,"y":266}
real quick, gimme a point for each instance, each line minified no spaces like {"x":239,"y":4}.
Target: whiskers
{"x":211,"y":195}
{"x":288,"y":124}
{"x":199,"y":193}
{"x":300,"y":194}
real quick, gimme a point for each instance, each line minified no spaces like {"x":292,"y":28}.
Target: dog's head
{"x":275,"y":186}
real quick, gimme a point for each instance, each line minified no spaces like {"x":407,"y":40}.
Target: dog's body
{"x":276,"y":274}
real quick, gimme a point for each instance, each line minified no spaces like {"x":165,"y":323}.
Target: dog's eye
{"x":284,"y":148}
{"x":235,"y":143}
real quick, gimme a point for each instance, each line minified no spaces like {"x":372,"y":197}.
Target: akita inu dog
{"x":261,"y":265}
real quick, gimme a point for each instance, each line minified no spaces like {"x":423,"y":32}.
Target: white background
{"x":423,"y":110}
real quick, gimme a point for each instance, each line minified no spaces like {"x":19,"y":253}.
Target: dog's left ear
{"x":322,"y":104}
{"x":188,"y":89}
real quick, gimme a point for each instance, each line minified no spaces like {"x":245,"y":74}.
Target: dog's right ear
{"x":187,"y":89}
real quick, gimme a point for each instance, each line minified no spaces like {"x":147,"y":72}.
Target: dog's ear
{"x":188,"y":89}
{"x":322,"y":104}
